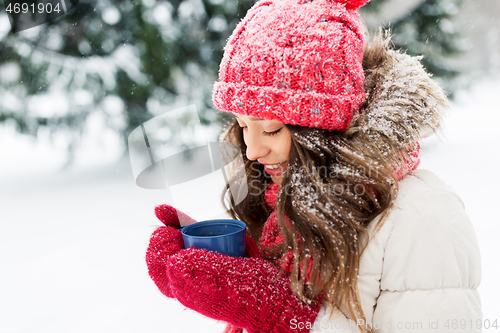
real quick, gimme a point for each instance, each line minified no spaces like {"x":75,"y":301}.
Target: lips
{"x":274,"y":169}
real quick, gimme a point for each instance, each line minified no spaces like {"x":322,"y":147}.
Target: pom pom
{"x":353,"y":4}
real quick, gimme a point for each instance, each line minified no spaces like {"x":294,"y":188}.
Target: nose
{"x":256,"y":148}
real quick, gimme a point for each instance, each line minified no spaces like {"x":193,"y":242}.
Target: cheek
{"x":288,"y":151}
{"x":244,"y":136}
{"x":284,"y":147}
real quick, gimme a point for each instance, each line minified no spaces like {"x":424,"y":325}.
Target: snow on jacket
{"x":420,"y":271}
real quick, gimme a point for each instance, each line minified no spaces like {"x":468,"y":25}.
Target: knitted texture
{"x":172,"y":217}
{"x":272,"y":237}
{"x":299,"y":62}
{"x":409,"y":163}
{"x":167,"y":241}
{"x":164,"y":242}
{"x":231,"y":329}
{"x":246,"y":292}
{"x":353,"y":4}
{"x":249,"y":292}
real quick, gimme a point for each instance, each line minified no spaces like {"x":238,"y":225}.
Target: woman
{"x":344,"y":232}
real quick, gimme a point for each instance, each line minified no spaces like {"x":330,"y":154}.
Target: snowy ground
{"x":72,"y":243}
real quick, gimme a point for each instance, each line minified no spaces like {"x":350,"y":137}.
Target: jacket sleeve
{"x":432,"y":265}
{"x":421,"y":270}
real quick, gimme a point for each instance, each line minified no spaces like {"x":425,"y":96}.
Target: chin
{"x":276,"y":180}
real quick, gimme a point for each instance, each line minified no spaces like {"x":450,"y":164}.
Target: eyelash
{"x":265,"y":133}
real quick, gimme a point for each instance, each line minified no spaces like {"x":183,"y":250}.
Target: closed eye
{"x":272,"y":133}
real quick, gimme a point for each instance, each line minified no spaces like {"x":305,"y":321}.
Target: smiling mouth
{"x":274,"y":166}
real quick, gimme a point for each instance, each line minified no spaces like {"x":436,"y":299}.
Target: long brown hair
{"x":335,"y":185}
{"x":331,"y":194}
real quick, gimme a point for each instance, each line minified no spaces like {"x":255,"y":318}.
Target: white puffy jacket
{"x":420,"y":271}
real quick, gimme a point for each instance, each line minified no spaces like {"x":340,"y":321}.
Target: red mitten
{"x":172,"y":217}
{"x":245,"y":292}
{"x":231,"y":329}
{"x":164,"y":242}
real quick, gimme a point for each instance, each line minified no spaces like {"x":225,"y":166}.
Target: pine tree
{"x":130,"y":60}
{"x":428,"y":30}
{"x":127,"y":60}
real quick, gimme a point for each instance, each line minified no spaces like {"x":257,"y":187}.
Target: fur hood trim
{"x":403,"y":104}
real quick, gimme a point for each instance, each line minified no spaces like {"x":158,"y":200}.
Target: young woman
{"x":344,"y":233}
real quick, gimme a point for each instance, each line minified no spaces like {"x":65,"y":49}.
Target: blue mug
{"x":224,"y":236}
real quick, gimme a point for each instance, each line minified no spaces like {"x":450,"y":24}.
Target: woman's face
{"x":268,"y":142}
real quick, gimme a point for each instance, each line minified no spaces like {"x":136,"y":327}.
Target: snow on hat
{"x":296,"y":61}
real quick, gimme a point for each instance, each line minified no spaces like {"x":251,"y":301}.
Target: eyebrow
{"x":251,"y":118}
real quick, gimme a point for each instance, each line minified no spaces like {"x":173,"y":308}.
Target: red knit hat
{"x":296,"y":61}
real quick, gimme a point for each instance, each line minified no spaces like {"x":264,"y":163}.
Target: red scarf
{"x":272,"y":236}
